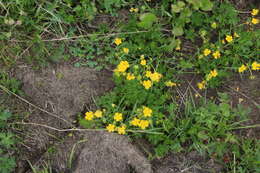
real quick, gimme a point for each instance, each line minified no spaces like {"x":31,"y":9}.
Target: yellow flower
{"x":135,"y":122}
{"x":147,"y":111}
{"x":155,"y":77}
{"x":201,"y":85}
{"x":214,"y":73}
{"x":89,"y":116}
{"x":170,"y":83}
{"x":134,"y":10}
{"x":223,"y":41}
{"x":122,"y":66}
{"x":206,"y":52}
{"x":255,"y":21}
{"x":143,"y":124}
{"x":255,"y":66}
{"x":242,"y":68}
{"x":148,"y":73}
{"x":118,"y":41}
{"x":110,"y":128}
{"x":214,"y":25}
{"x":130,"y":76}
{"x":236,"y":35}
{"x":125,"y":50}
{"x":229,"y":38}
{"x":98,"y":113}
{"x":147,"y":84}
{"x":254,"y":12}
{"x":216,"y":54}
{"x":121,"y":130}
{"x":178,"y":48}
{"x":143,"y":62}
{"x":118,"y":116}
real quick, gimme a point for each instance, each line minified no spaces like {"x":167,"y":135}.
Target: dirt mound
{"x":63,"y":90}
{"x":99,"y":152}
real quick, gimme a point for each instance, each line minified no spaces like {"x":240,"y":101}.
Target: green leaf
{"x":176,"y":9}
{"x":147,"y":20}
{"x":180,"y":4}
{"x":177,"y":31}
{"x":206,"y":5}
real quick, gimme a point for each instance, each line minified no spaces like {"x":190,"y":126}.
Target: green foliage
{"x":147,"y":20}
{"x":7,"y":141}
{"x":171,"y":36}
{"x":10,"y":83}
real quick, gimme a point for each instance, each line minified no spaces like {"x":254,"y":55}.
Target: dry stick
{"x":83,"y":36}
{"x":55,"y":129}
{"x":37,"y":107}
{"x":254,"y":102}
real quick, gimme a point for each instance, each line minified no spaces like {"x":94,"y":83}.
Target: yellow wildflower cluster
{"x":153,"y":77}
{"x":122,"y":66}
{"x":212,"y":74}
{"x":142,"y":123}
{"x":254,"y":12}
{"x":112,"y":127}
{"x":255,"y":66}
{"x":91,"y":115}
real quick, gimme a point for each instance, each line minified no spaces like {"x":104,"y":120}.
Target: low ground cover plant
{"x":147,"y":44}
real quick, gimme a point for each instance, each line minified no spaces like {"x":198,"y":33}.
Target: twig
{"x":56,"y":129}
{"x":83,"y":36}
